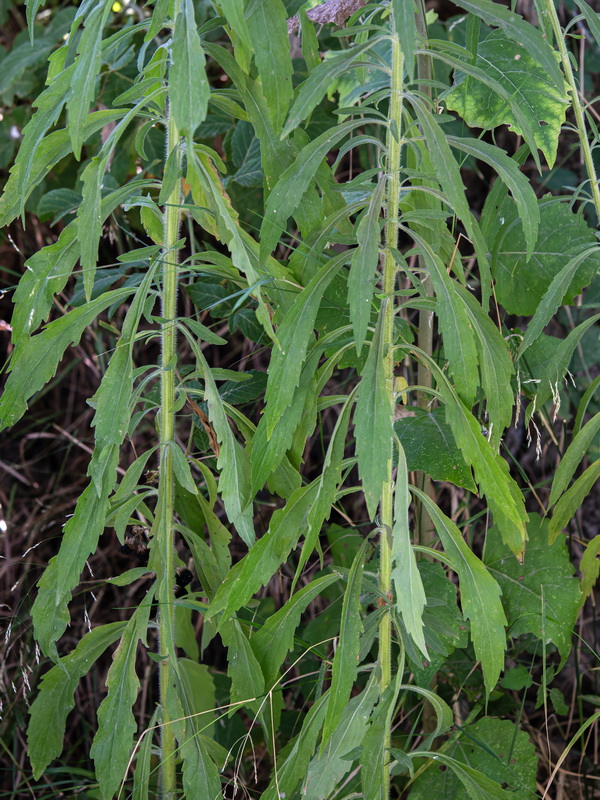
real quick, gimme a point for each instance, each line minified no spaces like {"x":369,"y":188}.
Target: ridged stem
{"x":166,"y":490}
{"x":389,"y":274}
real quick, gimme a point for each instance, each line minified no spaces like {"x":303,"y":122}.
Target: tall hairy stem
{"x":550,"y":11}
{"x":165,"y":511}
{"x":389,"y":272}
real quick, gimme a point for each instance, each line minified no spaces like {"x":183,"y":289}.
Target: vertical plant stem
{"x":165,"y":509}
{"x":550,"y":10}
{"x":389,"y":273}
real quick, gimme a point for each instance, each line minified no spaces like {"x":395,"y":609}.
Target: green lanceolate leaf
{"x":248,"y":683}
{"x":113,"y":741}
{"x":294,"y":335}
{"x":541,"y":596}
{"x":267,"y":555}
{"x":373,"y":748}
{"x":55,"y":699}
{"x":373,"y":423}
{"x":345,"y":661}
{"x":571,"y":501}
{"x":363,"y":268}
{"x":293,"y":183}
{"x":275,"y":639}
{"x":405,"y":27}
{"x":509,"y":172}
{"x":188,"y":85}
{"x":319,"y":82}
{"x":572,"y":458}
{"x":589,"y":568}
{"x":35,"y":362}
{"x":326,"y":770}
{"x":267,"y":23}
{"x":480,"y":595}
{"x":410,"y":594}
{"x":86,"y":71}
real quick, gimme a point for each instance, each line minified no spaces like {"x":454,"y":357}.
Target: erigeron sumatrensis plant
{"x":411,"y":307}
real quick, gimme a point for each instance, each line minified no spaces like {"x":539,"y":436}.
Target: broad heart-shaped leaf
{"x":519,"y":31}
{"x":188,"y":85}
{"x":327,"y":769}
{"x":410,"y":594}
{"x":36,"y":360}
{"x":479,"y":592}
{"x":86,"y":71}
{"x":563,"y":234}
{"x":512,"y":66}
{"x":113,"y":741}
{"x":264,"y":559}
{"x":373,"y":423}
{"x":293,"y":769}
{"x":541,"y":596}
{"x":496,"y":748}
{"x":571,"y":501}
{"x":363,"y":269}
{"x":55,"y":699}
{"x":294,"y":335}
{"x":275,"y":639}
{"x":345,"y":661}
{"x":267,"y":23}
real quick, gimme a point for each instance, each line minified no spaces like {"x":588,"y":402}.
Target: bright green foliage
{"x":348,"y":355}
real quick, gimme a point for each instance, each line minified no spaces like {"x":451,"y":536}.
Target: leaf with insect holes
{"x":113,"y":741}
{"x":480,"y":595}
{"x":541,"y":597}
{"x":188,"y":86}
{"x":55,"y":699}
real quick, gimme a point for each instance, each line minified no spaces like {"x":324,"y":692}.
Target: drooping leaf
{"x":480,"y":595}
{"x":113,"y":741}
{"x":410,"y":594}
{"x":269,"y":552}
{"x":572,"y":458}
{"x":188,"y":85}
{"x":87,"y":68}
{"x":363,"y":269}
{"x":572,"y":499}
{"x":564,"y":235}
{"x":247,"y":681}
{"x":267,"y":23}
{"x":275,"y":639}
{"x":345,"y":661}
{"x":373,"y":423}
{"x":294,"y":335}
{"x":542,"y":595}
{"x":55,"y":699}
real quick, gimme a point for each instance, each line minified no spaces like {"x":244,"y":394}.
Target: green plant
{"x":389,"y":286}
